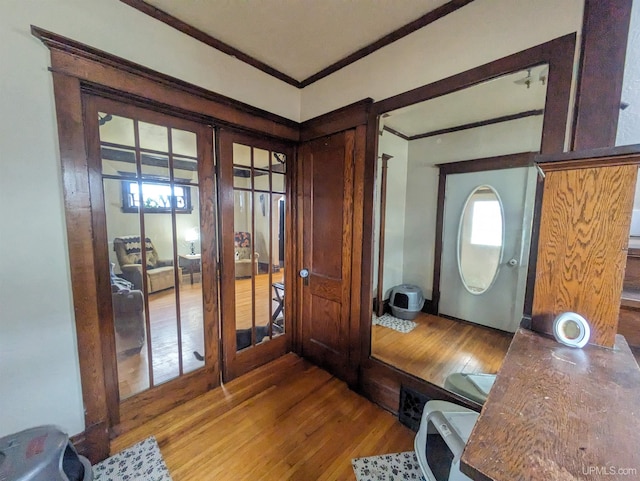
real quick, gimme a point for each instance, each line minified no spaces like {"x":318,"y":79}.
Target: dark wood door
{"x":253,"y":186}
{"x":327,"y":233}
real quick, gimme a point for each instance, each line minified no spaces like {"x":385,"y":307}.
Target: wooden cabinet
{"x":583,"y":236}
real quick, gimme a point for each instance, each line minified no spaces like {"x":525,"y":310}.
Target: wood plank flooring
{"x":438,"y":347}
{"x":133,"y":370}
{"x":287,"y":420}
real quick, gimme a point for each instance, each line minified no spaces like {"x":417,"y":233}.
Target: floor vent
{"x":411,"y":406}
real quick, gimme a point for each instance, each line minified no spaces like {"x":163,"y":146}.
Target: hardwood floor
{"x":133,"y":368}
{"x":438,"y":347}
{"x":287,"y":420}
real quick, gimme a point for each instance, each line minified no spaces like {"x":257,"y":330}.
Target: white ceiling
{"x":488,"y":100}
{"x":297,"y":37}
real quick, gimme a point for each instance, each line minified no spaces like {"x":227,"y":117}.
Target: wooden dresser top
{"x":558,"y":413}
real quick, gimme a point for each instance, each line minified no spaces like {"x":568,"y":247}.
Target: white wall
{"x":522,"y":135}
{"x":391,"y":144}
{"x":38,"y":354}
{"x":629,"y":119}
{"x":480,"y":32}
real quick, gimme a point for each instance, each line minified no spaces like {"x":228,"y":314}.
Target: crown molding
{"x":193,"y":32}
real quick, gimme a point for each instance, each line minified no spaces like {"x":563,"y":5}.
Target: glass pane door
{"x":253,"y":187}
{"x":149,"y":168}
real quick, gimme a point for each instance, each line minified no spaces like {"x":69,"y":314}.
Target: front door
{"x":485,"y":246}
{"x":153,"y":208}
{"x":327,"y":232}
{"x":253,"y":231}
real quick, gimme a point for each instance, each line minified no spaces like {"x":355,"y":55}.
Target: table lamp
{"x":192,"y":237}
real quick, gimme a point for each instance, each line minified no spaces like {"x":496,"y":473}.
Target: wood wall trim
{"x":205,"y":38}
{"x":481,"y":123}
{"x":344,"y":118}
{"x":592,"y":157}
{"x":396,"y":133}
{"x":356,"y":259}
{"x":77,"y":201}
{"x":558,"y":53}
{"x":211,"y":41}
{"x":411,"y":27}
{"x":93,"y":442}
{"x":604,"y":44}
{"x":382,"y":382}
{"x":98,"y":67}
{"x":509,"y":161}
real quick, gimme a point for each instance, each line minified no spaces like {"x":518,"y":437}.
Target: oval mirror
{"x":480,"y":239}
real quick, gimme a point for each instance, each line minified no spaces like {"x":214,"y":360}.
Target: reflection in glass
{"x":151,"y":225}
{"x":241,"y":154}
{"x":160,"y":280}
{"x":183,"y":142}
{"x":189,"y":260}
{"x":245,"y":266}
{"x":259,"y":217}
{"x":116,"y":130}
{"x":127,"y":298}
{"x":261,"y":159}
{"x":153,"y":137}
{"x":278,"y":162}
{"x":277,"y":261}
{"x":242,"y":178}
{"x":444,"y":129}
{"x":118,"y":161}
{"x":278,"y":183}
{"x":155,"y":166}
{"x":480,"y":239}
{"x":262,"y":203}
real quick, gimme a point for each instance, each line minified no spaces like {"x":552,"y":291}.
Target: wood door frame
{"x":382,"y":382}
{"x":76,"y":68}
{"x":235,"y":362}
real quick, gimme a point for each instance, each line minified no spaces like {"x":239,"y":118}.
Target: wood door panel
{"x":324,"y":287}
{"x":324,"y":325}
{"x":328,"y":175}
{"x":328,"y":172}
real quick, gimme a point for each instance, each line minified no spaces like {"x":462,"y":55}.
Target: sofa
{"x":128,"y":316}
{"x":159,"y":272}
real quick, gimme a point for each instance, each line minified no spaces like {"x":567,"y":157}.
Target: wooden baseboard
{"x":93,"y":442}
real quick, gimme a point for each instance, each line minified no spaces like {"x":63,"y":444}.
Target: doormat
{"x":388,"y":467}
{"x":400,"y":325}
{"x":140,"y":461}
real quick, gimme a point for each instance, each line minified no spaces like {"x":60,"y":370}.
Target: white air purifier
{"x":444,"y":430}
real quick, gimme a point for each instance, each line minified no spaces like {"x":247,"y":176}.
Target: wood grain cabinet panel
{"x":584,"y":232}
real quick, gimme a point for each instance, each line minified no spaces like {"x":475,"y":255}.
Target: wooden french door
{"x":327,"y":234}
{"x":152,"y":187}
{"x":255,"y":251}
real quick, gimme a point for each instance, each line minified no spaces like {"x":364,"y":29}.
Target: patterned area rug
{"x":388,"y":467}
{"x":400,"y":325}
{"x":142,"y":461}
